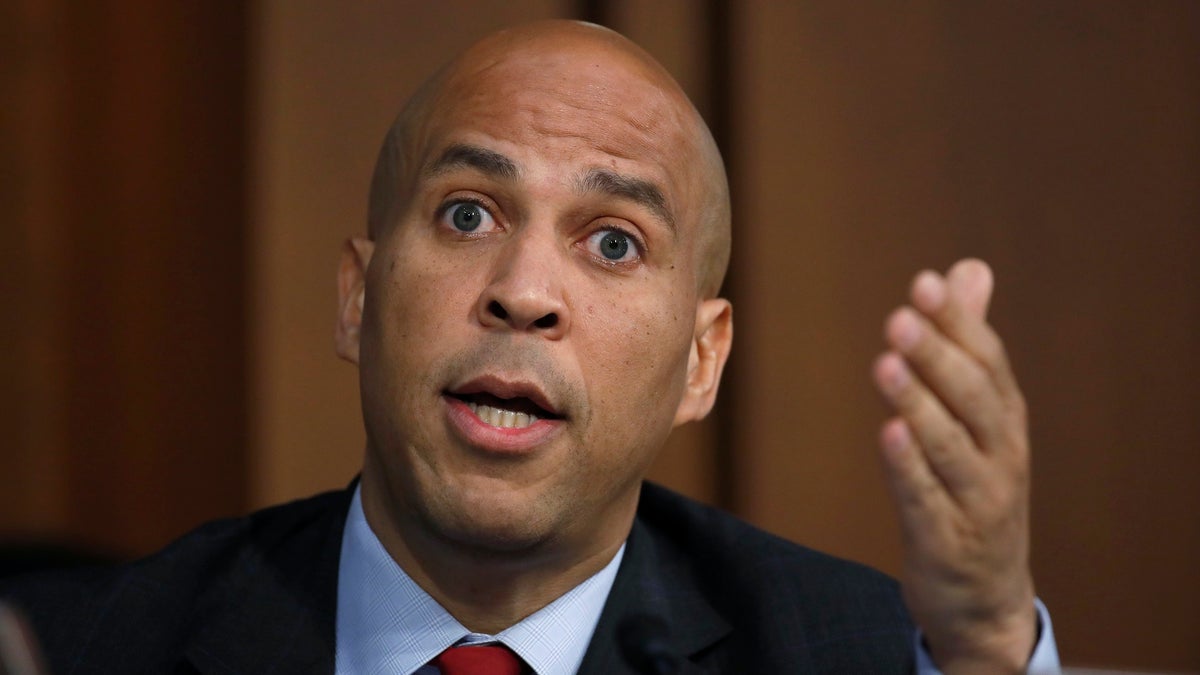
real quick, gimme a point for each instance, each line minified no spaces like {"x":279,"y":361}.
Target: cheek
{"x":420,"y":301}
{"x":635,"y":363}
{"x":410,"y":327}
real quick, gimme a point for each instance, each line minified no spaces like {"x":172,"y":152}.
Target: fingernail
{"x":929,"y":291}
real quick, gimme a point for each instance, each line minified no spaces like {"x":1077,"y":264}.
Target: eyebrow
{"x":636,"y":190}
{"x":492,"y":163}
{"x":459,"y":156}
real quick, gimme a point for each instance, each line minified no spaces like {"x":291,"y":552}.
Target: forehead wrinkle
{"x":462,"y":155}
{"x":636,"y":190}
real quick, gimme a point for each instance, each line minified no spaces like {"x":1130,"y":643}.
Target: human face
{"x":530,"y":320}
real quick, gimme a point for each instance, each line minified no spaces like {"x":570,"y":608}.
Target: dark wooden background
{"x":175,"y":179}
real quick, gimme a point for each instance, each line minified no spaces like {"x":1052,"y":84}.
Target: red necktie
{"x":479,"y":660}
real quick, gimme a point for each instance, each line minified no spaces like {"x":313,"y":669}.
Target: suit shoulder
{"x":750,"y":572}
{"x":161,"y":598}
{"x":707,"y":529}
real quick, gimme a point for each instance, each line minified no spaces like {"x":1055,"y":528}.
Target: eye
{"x":467,"y":217}
{"x":613,"y":245}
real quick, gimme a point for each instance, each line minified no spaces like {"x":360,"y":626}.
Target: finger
{"x":971,"y":281}
{"x":961,"y":383}
{"x":915,"y":488}
{"x":945,"y":443}
{"x":961,"y":318}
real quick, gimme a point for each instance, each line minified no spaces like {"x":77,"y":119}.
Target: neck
{"x":486,"y":591}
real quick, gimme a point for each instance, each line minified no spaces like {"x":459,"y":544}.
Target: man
{"x":533,"y":310}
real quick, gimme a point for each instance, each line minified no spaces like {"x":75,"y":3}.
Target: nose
{"x":525,"y":290}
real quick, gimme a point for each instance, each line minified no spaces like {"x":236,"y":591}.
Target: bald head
{"x":570,"y":74}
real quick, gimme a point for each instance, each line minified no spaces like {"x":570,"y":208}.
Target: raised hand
{"x":956,"y":457}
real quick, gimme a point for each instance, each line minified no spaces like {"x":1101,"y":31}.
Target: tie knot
{"x":493,"y":659}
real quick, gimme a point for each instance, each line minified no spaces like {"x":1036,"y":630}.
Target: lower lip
{"x":499,"y":440}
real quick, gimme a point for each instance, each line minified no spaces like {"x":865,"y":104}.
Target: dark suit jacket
{"x":257,"y":595}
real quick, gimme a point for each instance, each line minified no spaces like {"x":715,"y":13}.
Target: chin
{"x":492,"y":522}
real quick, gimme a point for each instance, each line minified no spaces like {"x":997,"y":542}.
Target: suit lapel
{"x":275,"y":612}
{"x":652,"y":581}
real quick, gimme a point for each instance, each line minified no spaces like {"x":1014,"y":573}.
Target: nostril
{"x":548,"y":321}
{"x":498,"y":310}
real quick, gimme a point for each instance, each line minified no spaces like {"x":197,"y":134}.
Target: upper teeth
{"x":499,"y":417}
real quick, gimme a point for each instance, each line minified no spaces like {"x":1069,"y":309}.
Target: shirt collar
{"x":387,"y":623}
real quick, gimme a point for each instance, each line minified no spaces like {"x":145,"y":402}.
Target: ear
{"x":352,"y":289}
{"x":710,"y":350}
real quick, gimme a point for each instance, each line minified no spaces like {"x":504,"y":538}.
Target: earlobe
{"x":352,"y":285}
{"x":706,"y":361}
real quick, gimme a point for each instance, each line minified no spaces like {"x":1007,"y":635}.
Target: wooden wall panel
{"x":127,"y":202}
{"x":32,"y":77}
{"x":1059,"y":140}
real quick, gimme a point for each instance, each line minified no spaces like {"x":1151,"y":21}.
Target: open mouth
{"x":507,"y":413}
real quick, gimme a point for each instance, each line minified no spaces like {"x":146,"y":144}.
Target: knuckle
{"x":977,"y":392}
{"x":915,"y":402}
{"x":925,"y":492}
{"x":993,"y":350}
{"x":946,"y":442}
{"x":934,"y":351}
{"x":959,"y":435}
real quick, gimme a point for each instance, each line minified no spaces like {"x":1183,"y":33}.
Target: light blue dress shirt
{"x":1044,"y":660}
{"x":387,"y":624}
